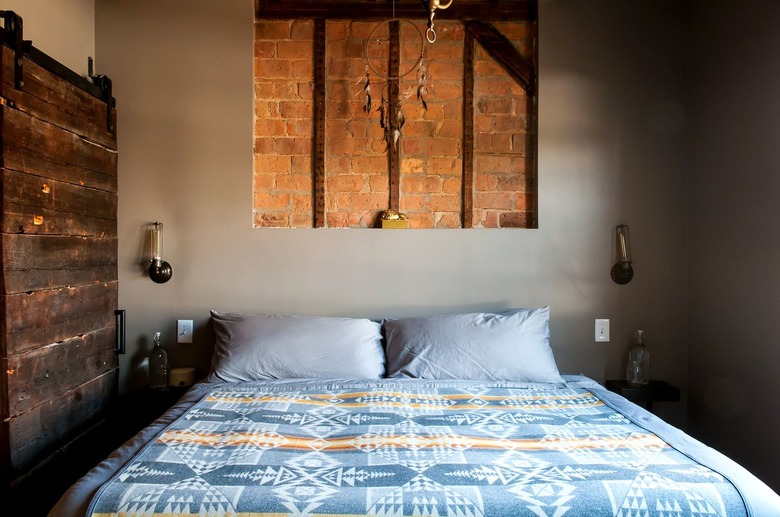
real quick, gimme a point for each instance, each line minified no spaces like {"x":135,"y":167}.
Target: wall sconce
{"x":159,"y":270}
{"x":622,"y":272}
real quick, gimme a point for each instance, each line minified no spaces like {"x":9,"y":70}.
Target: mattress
{"x":414,"y":447}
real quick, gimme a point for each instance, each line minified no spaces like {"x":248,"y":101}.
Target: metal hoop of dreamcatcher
{"x":391,"y":114}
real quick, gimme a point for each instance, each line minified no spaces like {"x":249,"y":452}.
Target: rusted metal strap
{"x":394,"y":87}
{"x":468,"y":132}
{"x":319,"y":123}
{"x":13,"y":25}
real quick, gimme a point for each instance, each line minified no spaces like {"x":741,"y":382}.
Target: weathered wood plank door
{"x":58,"y":256}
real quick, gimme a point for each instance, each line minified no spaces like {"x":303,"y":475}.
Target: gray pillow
{"x":263,"y":346}
{"x":509,"y":346}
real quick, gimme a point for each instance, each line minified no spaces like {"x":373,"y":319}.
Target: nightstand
{"x":36,"y":493}
{"x":655,"y":391}
{"x":138,"y":409}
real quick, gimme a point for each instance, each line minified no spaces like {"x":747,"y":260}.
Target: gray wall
{"x":182,"y":74}
{"x":735,"y":231}
{"x":609,"y":152}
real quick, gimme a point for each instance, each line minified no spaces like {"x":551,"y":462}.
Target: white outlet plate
{"x":602,"y":331}
{"x":184,"y":331}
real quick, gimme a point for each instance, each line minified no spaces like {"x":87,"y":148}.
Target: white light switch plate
{"x":184,"y":331}
{"x":602,"y":331}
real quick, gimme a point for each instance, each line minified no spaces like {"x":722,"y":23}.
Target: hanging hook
{"x":432,"y":5}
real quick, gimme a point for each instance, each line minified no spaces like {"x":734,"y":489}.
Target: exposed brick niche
{"x":431,"y":189}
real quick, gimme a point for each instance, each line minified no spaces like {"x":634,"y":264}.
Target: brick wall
{"x":356,"y":181}
{"x":431,"y":154}
{"x":504,"y":170}
{"x":356,"y":164}
{"x":283,"y":124}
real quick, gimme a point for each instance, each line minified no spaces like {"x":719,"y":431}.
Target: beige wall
{"x":64,"y":29}
{"x":735,"y":224}
{"x":182,"y":75}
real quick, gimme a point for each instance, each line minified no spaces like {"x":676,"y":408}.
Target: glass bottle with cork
{"x":158,"y":366}
{"x":638,"y":369}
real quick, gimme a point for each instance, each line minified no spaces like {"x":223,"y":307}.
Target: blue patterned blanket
{"x":390,"y":448}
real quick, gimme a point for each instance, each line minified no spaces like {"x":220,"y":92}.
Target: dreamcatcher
{"x":391,"y":115}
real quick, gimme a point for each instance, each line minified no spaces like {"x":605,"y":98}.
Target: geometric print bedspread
{"x":391,"y":449}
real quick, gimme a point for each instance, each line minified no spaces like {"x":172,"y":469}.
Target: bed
{"x":461,"y":415}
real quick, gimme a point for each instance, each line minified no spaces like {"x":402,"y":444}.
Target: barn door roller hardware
{"x":12,"y":23}
{"x":12,"y":36}
{"x":106,"y":88}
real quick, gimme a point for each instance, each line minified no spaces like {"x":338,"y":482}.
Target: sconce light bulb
{"x":622,"y":272}
{"x":160,"y":271}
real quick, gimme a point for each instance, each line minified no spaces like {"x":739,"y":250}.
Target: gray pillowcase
{"x":263,"y":346}
{"x":509,"y":346}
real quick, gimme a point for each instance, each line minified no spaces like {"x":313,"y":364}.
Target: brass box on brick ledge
{"x":395,"y":224}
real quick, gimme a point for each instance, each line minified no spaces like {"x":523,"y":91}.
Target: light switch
{"x":602,"y":331}
{"x":184,"y":331}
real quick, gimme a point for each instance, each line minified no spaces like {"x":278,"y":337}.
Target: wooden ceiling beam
{"x":489,"y":10}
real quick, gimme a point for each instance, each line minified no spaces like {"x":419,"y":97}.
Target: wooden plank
{"x":49,"y":97}
{"x":383,"y":9}
{"x":505,"y":54}
{"x":467,"y":192}
{"x":36,"y":280}
{"x":5,"y":452}
{"x":34,"y":262}
{"x":25,"y":252}
{"x":44,"y":317}
{"x":37,"y":147}
{"x":39,"y":432}
{"x":36,"y":221}
{"x":42,"y":374}
{"x":320,"y":111}
{"x":394,"y":89}
{"x":25,"y":192}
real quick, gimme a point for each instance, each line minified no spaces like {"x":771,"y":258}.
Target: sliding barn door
{"x":58,"y":253}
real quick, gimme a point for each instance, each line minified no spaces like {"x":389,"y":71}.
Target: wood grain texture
{"x":48,"y":97}
{"x":58,"y":261}
{"x":37,"y":147}
{"x":40,"y":431}
{"x":35,"y":262}
{"x":71,"y":209}
{"x":49,"y":371}
{"x":41,"y":318}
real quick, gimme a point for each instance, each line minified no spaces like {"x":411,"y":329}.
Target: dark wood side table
{"x":655,"y":391}
{"x":138,"y":409}
{"x":37,"y":492}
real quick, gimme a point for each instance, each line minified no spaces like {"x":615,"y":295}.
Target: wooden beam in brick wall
{"x":393,"y":151}
{"x":468,"y":131}
{"x":509,"y":10}
{"x":320,"y":110}
{"x":505,"y":54}
{"x":531,"y":152}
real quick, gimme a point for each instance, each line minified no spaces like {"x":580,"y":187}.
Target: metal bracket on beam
{"x":106,"y":87}
{"x":13,"y":24}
